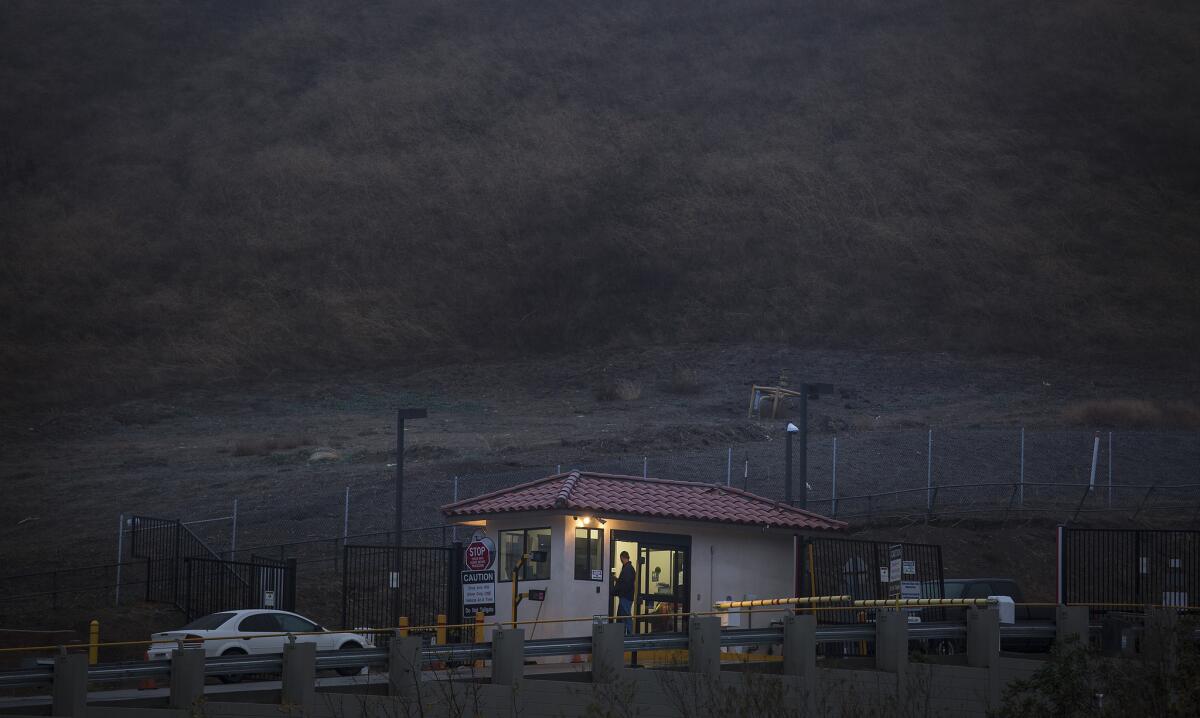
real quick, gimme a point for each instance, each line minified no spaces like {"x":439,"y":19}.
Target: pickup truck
{"x":982,"y":588}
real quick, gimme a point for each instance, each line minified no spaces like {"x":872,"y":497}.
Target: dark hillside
{"x":193,"y":189}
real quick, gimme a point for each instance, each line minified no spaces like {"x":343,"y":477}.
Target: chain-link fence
{"x":939,"y":471}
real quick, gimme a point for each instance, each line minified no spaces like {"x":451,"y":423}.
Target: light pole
{"x":806,"y":392}
{"x":401,"y":415}
{"x":787,"y":464}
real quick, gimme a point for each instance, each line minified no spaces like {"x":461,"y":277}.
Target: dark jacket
{"x":626,"y":581}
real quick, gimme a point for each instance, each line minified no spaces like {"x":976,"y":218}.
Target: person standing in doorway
{"x":626,"y":583}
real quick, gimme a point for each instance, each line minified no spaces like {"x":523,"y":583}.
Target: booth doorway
{"x":663,"y":578}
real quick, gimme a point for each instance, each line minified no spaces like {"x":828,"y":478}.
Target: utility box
{"x":1006,"y":609}
{"x":1120,"y":634}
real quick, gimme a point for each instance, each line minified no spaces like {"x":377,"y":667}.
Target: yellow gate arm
{"x":802,"y":600}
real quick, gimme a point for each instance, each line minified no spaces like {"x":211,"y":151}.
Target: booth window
{"x":519,"y":541}
{"x":588,"y":545}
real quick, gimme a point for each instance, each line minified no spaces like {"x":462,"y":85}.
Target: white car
{"x":252,"y":632}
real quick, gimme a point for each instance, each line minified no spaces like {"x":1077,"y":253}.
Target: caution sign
{"x":479,"y":593}
{"x":479,"y":577}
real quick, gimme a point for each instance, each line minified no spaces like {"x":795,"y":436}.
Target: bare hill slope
{"x":209,"y":189}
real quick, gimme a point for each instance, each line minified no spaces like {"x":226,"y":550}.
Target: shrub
{"x":612,"y":389}
{"x":684,"y":380}
{"x":269,"y":446}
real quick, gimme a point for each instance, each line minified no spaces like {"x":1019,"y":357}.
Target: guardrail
{"x":462,"y":653}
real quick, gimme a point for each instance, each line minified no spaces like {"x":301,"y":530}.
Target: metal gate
{"x":428,"y":584}
{"x":212,"y":585}
{"x":860,"y":569}
{"x":1128,"y":567}
{"x":165,"y":544}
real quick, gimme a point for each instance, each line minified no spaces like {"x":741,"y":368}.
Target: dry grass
{"x":1134,"y":414}
{"x":288,"y":186}
{"x":268,"y":446}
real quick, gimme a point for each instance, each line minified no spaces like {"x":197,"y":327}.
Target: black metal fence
{"x":1128,"y":567}
{"x":428,"y":584}
{"x":212,"y":585}
{"x":165,"y":544}
{"x":860,"y":569}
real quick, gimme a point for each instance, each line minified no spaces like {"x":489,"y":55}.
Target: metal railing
{"x":437,"y":655}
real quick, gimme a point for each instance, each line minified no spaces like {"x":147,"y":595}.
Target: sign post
{"x":895,"y":569}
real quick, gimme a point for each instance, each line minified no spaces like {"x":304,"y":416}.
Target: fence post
{"x":454,"y":530}
{"x":175,"y":567}
{"x":1110,"y":469}
{"x":729,"y":467}
{"x":404,"y":665}
{"x":983,"y":648}
{"x":800,"y":655}
{"x":608,"y":650}
{"x":54,"y":589}
{"x":346,"y":518}
{"x":645,"y":468}
{"x":704,"y":645}
{"x":120,"y":556}
{"x":187,"y":678}
{"x":299,"y":674}
{"x":508,"y":656}
{"x":187,"y":605}
{"x":233,"y":533}
{"x":289,"y":582}
{"x":929,"y":474}
{"x":1021,"y":479}
{"x":833,"y":505}
{"x":454,"y":605}
{"x":1095,"y":460}
{"x":69,"y":684}
{"x":345,"y":585}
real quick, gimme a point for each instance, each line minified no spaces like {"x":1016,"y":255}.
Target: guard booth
{"x":690,"y":544}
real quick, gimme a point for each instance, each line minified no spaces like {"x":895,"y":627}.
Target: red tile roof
{"x":613,"y":495}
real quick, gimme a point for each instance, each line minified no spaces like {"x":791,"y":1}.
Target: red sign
{"x":478,"y":556}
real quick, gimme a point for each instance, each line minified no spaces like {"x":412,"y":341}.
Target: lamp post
{"x":787,"y":464}
{"x":807,"y":391}
{"x":401,"y":415}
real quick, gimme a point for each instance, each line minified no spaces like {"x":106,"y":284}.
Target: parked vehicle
{"x":982,"y":588}
{"x":253,"y":632}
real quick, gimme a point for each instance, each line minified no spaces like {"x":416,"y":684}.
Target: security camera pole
{"x":805,"y":391}
{"x":787,"y":471}
{"x":401,"y":415}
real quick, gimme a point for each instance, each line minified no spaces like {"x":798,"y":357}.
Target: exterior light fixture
{"x":587,"y":520}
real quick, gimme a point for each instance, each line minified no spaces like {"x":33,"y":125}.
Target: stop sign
{"x":478,"y":555}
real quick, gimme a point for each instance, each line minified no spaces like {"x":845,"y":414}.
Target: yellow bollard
{"x":441,"y":629}
{"x":404,"y":626}
{"x":93,"y":642}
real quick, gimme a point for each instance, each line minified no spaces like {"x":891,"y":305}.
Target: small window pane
{"x":581,"y":555}
{"x":210,"y":622}
{"x":512,"y":545}
{"x":538,"y":540}
{"x":295,"y":624}
{"x":588,"y":545}
{"x":260,"y":623}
